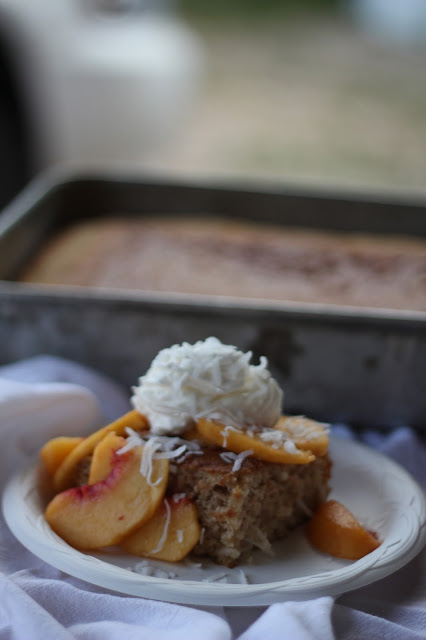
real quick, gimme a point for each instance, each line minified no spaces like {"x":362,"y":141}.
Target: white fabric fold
{"x":310,"y":620}
{"x":89,"y":614}
{"x":30,"y":414}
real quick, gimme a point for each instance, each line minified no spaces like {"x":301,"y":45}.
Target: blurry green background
{"x":246,"y":8}
{"x":296,"y":92}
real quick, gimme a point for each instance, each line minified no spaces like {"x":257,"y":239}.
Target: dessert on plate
{"x":205,"y":463}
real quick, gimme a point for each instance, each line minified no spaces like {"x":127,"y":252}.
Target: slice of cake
{"x":250,"y":507}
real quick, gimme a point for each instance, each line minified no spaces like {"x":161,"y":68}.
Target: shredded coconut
{"x":133,"y":440}
{"x":179,"y":534}
{"x":148,"y":453}
{"x":234,"y":458}
{"x":178,"y":496}
{"x":278,"y":439}
{"x":243,"y":577}
{"x":300,"y":427}
{"x":304,"y":507}
{"x":188,"y":454}
{"x":218,"y":577}
{"x":273,"y":436}
{"x":193,"y":565}
{"x":225,"y":433}
{"x":157,"y":448}
{"x":240,"y":459}
{"x":290,"y":447}
{"x":165,"y":530}
{"x":145,"y":568}
{"x":228,"y":456}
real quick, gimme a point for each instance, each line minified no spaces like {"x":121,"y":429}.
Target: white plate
{"x":374,"y":488}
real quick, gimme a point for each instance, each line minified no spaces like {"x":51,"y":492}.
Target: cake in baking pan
{"x":218,"y":257}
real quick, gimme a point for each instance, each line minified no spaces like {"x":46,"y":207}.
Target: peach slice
{"x":170,"y":535}
{"x":54,"y":452}
{"x":306,"y":434}
{"x":101,"y":514}
{"x":334,"y":530}
{"x":103,"y":457}
{"x":239,"y":441}
{"x":64,"y":474}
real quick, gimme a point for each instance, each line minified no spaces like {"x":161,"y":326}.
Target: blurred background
{"x":318,"y":92}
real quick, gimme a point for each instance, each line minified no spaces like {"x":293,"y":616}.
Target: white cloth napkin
{"x":47,"y":396}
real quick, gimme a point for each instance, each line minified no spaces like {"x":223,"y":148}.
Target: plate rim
{"x":385,"y":560}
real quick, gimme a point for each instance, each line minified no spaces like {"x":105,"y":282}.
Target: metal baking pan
{"x":362,"y":366}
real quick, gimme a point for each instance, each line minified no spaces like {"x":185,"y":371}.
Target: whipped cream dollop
{"x":207,"y":379}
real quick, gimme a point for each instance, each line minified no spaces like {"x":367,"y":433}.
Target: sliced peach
{"x":239,"y":441}
{"x":306,"y":434}
{"x":104,"y":457}
{"x":54,"y":452}
{"x":334,"y":530}
{"x":170,"y":535}
{"x":64,"y":474}
{"x":101,"y":514}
